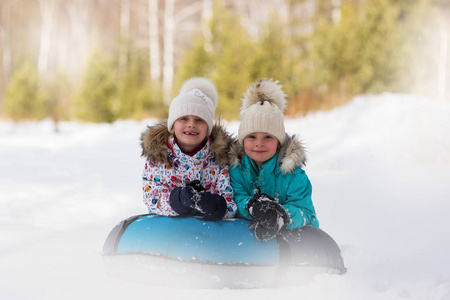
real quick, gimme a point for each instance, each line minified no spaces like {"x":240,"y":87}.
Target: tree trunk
{"x":255,"y":13}
{"x":443,"y":55}
{"x":5,"y":51}
{"x":207,"y":8}
{"x":46,"y":7}
{"x":125,"y":12}
{"x":154,"y":45}
{"x":336,"y":11}
{"x":169,"y":39}
{"x":80,"y":46}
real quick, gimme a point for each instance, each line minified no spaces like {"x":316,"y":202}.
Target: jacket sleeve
{"x":241,"y":195}
{"x":298,"y":202}
{"x":156,"y":190}
{"x":225,"y":190}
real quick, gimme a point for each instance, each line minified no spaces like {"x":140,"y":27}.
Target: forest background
{"x":104,"y":60}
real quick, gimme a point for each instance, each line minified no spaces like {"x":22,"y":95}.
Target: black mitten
{"x":195,"y":185}
{"x":183,"y":199}
{"x":267,"y":211}
{"x":263,"y":233}
{"x":270,"y":217}
{"x":175,"y":202}
{"x":211,"y":206}
{"x":259,"y":205}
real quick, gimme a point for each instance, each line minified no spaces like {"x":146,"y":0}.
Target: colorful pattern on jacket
{"x":160,"y":179}
{"x":291,"y":189}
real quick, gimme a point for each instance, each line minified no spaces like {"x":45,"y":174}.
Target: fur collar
{"x":292,"y":155}
{"x":154,"y":143}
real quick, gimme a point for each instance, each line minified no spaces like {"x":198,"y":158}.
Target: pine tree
{"x":233,"y":47}
{"x":97,"y":98}
{"x":137,"y":97}
{"x":24,"y":98}
{"x":270,"y":58}
{"x":57,"y":93}
{"x":130,"y":82}
{"x":336,"y":56}
{"x":227,"y":64}
{"x":366,"y":52}
{"x":383,"y":52}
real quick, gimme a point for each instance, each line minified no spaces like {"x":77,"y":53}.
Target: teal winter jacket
{"x":281,"y":177}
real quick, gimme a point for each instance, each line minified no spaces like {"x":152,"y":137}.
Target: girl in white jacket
{"x":186,"y":168}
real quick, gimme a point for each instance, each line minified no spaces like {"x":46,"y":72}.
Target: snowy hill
{"x":380,"y":173}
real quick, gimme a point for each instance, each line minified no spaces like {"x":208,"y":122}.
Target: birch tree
{"x":207,"y":12}
{"x":79,"y":23}
{"x":47,"y":9}
{"x":255,"y":13}
{"x":154,"y":45}
{"x":443,"y":55}
{"x":125,"y":16}
{"x":5,"y":49}
{"x":443,"y":10}
{"x":169,"y":33}
{"x":336,"y":10}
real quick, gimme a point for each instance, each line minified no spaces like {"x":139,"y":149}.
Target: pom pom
{"x":264,"y":90}
{"x":204,"y":85}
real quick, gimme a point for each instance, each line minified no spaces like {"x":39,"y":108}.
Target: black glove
{"x":183,"y":199}
{"x":211,"y":206}
{"x":270,"y":217}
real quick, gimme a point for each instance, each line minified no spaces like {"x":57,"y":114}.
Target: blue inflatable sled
{"x":193,"y":252}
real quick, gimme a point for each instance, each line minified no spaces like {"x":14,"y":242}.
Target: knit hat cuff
{"x":262,"y":122}
{"x":193,"y":103}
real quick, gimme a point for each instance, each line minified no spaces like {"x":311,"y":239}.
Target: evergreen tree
{"x":148,"y":94}
{"x":131,"y":81}
{"x":270,"y":58}
{"x":138,"y":98}
{"x":196,"y":61}
{"x":57,"y":93}
{"x":336,"y":55}
{"x":384,"y":54}
{"x":366,"y":52}
{"x":227,"y":64}
{"x":97,"y":97}
{"x":24,"y":98}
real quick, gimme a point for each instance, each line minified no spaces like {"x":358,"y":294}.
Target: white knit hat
{"x":198,"y":97}
{"x":262,"y":110}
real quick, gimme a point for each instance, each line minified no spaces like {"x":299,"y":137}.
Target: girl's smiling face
{"x":260,"y":146}
{"x":190,"y":131}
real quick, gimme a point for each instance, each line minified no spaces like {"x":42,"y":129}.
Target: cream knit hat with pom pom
{"x":198,"y":97}
{"x":262,"y":110}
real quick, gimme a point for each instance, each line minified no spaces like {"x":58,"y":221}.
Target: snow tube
{"x":193,"y":252}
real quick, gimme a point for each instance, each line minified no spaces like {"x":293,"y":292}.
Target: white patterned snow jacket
{"x":167,"y":167}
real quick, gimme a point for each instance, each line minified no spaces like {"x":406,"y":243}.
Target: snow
{"x":380,"y":173}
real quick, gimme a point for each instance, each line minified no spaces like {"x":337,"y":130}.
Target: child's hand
{"x":270,"y":217}
{"x":263,"y":233}
{"x":266,"y":210}
{"x":195,"y":185}
{"x":211,"y":206}
{"x":189,"y":194}
{"x":180,"y":200}
{"x":183,"y":199}
{"x":192,"y":198}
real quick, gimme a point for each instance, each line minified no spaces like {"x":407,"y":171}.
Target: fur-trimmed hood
{"x":292,"y":155}
{"x":154,"y":143}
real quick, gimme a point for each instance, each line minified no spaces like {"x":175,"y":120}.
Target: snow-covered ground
{"x":380,"y":169}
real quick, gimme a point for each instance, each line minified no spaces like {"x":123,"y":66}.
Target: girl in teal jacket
{"x":270,"y":186}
